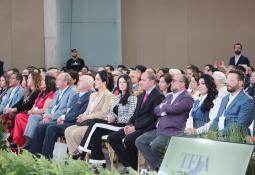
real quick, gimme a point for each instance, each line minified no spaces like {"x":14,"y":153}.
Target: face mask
{"x":237,"y":52}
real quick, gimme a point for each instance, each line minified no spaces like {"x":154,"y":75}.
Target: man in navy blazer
{"x":172,"y":115}
{"x":236,"y":108}
{"x":14,"y":94}
{"x":58,"y":107}
{"x":238,"y":58}
{"x":78,"y":106}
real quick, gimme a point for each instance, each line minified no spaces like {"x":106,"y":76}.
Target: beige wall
{"x":21,"y":33}
{"x":175,"y":33}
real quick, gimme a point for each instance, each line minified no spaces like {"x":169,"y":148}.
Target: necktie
{"x":145,"y":97}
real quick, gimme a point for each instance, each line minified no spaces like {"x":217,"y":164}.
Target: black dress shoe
{"x":76,"y":155}
{"x":26,"y":146}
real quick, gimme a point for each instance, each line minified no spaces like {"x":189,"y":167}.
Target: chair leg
{"x":112,"y":157}
{"x":87,"y":157}
{"x":141,"y":161}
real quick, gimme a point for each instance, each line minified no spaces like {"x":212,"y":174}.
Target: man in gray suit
{"x":173,"y":113}
{"x":78,"y":106}
{"x":237,"y":108}
{"x":58,"y":107}
{"x":14,"y":94}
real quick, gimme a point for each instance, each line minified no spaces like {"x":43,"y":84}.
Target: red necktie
{"x":145,"y":97}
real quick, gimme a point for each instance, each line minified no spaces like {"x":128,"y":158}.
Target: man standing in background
{"x":75,"y":63}
{"x":238,"y":58}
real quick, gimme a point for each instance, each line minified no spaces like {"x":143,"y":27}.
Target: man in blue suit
{"x":236,"y":108}
{"x":14,"y":94}
{"x":62,"y":99}
{"x":78,"y":106}
{"x":238,"y":58}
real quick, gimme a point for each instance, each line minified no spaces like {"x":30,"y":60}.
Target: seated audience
{"x":98,"y":107}
{"x":59,"y":105}
{"x":75,"y":79}
{"x":236,"y":108}
{"x":24,"y":105}
{"x":26,"y":123}
{"x":77,"y":106}
{"x":220,"y":81}
{"x":205,"y":108}
{"x":172,"y":114}
{"x":122,"y":109}
{"x":165,"y":83}
{"x":251,"y":89}
{"x":193,"y":86}
{"x":209,"y":69}
{"x":190,"y":70}
{"x":4,"y":86}
{"x":161,"y":72}
{"x":123,"y":141}
{"x":14,"y":94}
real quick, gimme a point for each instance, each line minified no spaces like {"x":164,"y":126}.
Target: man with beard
{"x":238,"y":58}
{"x":236,"y":108}
{"x":75,"y":63}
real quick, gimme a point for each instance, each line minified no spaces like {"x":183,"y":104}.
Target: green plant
{"x":26,"y":163}
{"x":2,"y":142}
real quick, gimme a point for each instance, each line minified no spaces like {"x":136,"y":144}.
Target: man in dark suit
{"x":123,"y":141}
{"x":238,"y":58}
{"x":78,"y":106}
{"x":173,"y":113}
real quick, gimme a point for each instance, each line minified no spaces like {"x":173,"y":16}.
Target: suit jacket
{"x":251,"y":91}
{"x":242,"y":60}
{"x":144,"y":118}
{"x":15,"y":98}
{"x":99,"y":104}
{"x":240,"y":112}
{"x":60,"y":106}
{"x":77,"y":107}
{"x":176,"y":114}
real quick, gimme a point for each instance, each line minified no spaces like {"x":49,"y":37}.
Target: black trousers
{"x":93,"y":137}
{"x":127,"y":151}
{"x":53,"y":131}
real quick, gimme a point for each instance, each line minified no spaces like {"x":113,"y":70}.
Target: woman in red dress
{"x":41,"y":103}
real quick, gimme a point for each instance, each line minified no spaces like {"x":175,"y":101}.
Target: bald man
{"x":78,"y":106}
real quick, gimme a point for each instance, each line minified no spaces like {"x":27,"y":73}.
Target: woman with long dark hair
{"x":204,"y":108}
{"x":42,"y":101}
{"x":123,"y":108}
{"x":165,"y":83}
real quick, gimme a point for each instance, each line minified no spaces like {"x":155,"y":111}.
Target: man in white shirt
{"x":14,"y":94}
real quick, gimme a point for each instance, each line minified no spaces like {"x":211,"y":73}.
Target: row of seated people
{"x":146,"y":121}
